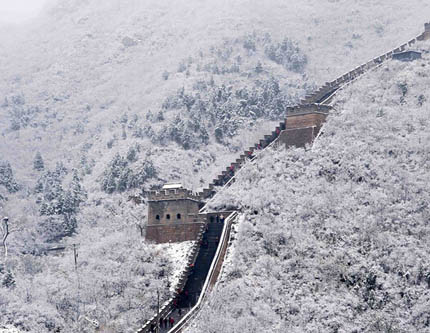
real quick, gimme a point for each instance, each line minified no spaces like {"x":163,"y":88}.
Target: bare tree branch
{"x":6,"y":232}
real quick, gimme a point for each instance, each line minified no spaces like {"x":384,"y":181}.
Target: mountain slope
{"x":122,"y":96}
{"x":335,"y":238}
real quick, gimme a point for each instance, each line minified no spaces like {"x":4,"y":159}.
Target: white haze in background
{"x":18,"y":11}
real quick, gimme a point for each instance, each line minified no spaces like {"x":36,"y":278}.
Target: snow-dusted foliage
{"x":114,"y":283}
{"x":335,"y":237}
{"x":119,"y":176}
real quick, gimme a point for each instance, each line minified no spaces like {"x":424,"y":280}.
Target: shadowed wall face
{"x":426,"y":34}
{"x":173,"y":220}
{"x":305,"y":120}
{"x":172,"y":212}
{"x":302,"y":129}
{"x":173,"y":233}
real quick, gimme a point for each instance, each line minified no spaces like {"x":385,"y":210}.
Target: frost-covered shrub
{"x":132,"y":154}
{"x":55,"y":227}
{"x":249,"y":43}
{"x":21,"y":115}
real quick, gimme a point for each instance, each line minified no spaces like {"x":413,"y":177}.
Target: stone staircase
{"x":225,"y":176}
{"x":189,"y":295}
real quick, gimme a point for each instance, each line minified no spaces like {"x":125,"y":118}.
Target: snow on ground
{"x":9,"y":329}
{"x":178,"y":253}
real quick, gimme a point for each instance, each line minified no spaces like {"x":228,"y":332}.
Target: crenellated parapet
{"x":426,"y":34}
{"x":307,"y":108}
{"x":173,"y":214}
{"x":173,"y":194}
{"x":324,"y":93}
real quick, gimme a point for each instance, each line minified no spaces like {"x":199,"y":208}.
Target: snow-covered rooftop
{"x":172,"y":186}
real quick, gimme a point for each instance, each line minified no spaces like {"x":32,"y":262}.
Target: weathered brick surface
{"x":426,"y":34}
{"x":174,"y":217}
{"x":305,"y":120}
{"x":173,"y":233}
{"x":297,"y":137}
{"x":172,"y":211}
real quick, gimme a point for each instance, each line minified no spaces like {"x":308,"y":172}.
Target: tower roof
{"x":172,"y":186}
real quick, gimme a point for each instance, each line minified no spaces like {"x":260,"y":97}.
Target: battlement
{"x":173,"y":194}
{"x":426,"y":34}
{"x":173,"y":214}
{"x":307,"y":108}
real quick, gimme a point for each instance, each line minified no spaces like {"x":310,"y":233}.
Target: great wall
{"x":176,"y":214}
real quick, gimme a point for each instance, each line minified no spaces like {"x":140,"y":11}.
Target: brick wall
{"x":180,"y":232}
{"x":179,"y":211}
{"x":426,"y":34}
{"x":304,"y":120}
{"x":297,"y":137}
{"x":174,"y":220}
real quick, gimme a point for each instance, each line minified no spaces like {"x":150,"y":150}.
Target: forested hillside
{"x":103,"y":100}
{"x":335,"y":236}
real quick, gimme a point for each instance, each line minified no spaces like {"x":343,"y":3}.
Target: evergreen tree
{"x":78,"y":193}
{"x":74,"y":196}
{"x":60,"y":170}
{"x":131,"y":154}
{"x":119,"y":176}
{"x":38,"y":163}
{"x":7,"y":178}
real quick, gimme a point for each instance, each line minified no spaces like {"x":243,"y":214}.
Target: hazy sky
{"x":19,"y":10}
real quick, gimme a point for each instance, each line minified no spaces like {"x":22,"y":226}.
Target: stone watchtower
{"x":427,"y":31}
{"x":173,"y":215}
{"x":426,"y":34}
{"x":303,"y":124}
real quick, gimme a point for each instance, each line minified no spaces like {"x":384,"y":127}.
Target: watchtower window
{"x":157,"y":217}
{"x":178,"y":216}
{"x":168,"y":216}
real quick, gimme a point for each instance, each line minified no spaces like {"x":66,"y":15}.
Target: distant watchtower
{"x":426,"y":34}
{"x":427,"y":31}
{"x":173,"y":215}
{"x":303,"y":124}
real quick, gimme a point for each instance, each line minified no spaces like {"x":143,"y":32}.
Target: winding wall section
{"x":315,"y":103}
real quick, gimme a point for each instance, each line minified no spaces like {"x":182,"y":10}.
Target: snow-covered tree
{"x":6,"y":177}
{"x":38,"y":163}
